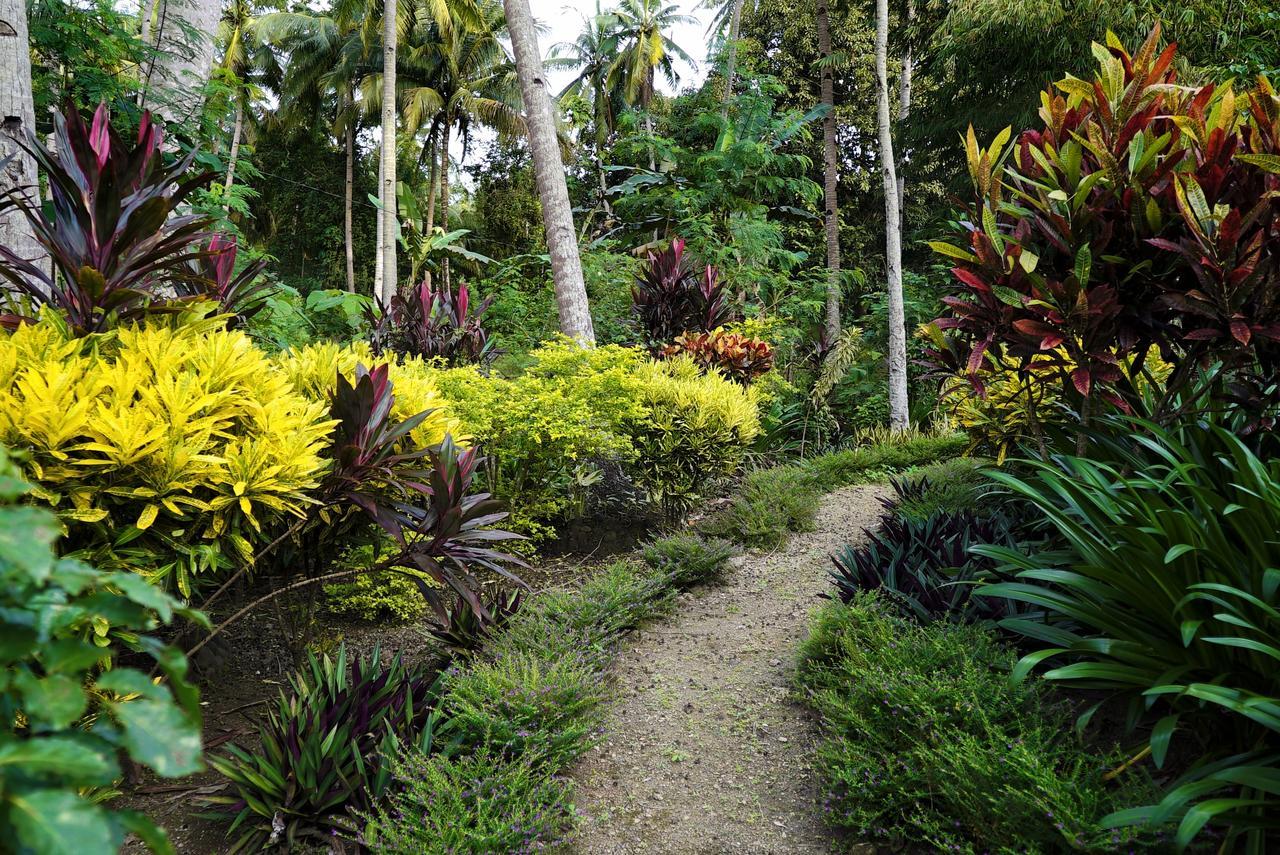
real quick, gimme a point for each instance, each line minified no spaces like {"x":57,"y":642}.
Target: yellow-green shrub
{"x":569,"y":407}
{"x":312,"y":371}
{"x":697,"y":427}
{"x":167,"y":448}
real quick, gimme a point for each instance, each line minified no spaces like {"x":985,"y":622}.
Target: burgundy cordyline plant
{"x":439,"y":323}
{"x":669,"y":298}
{"x":121,"y":240}
{"x":1142,"y":217}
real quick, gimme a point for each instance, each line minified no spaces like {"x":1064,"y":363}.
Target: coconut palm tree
{"x":727,"y":23}
{"x":327,"y":58}
{"x":830,"y":173}
{"x":557,"y":216}
{"x":592,"y":55}
{"x":899,"y":417}
{"x":644,"y":50}
{"x":452,"y":80}
{"x":248,"y":64}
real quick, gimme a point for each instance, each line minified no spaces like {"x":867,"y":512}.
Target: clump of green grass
{"x":928,"y":741}
{"x":475,"y":803}
{"x":769,"y":505}
{"x":869,"y":462}
{"x":687,"y":560}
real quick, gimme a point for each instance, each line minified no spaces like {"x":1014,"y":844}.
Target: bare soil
{"x":706,"y":750}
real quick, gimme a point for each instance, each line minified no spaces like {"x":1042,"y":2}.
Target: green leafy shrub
{"x":1165,"y":594}
{"x":71,"y":708}
{"x":325,"y":749}
{"x":527,"y":706}
{"x":377,"y":597}
{"x":479,"y":803}
{"x":688,"y":559}
{"x":767,"y":507}
{"x":696,"y":428}
{"x":929,"y":743}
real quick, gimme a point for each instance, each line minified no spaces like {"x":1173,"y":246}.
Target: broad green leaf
{"x":26,"y":538}
{"x":74,"y":759}
{"x":55,"y":701}
{"x":58,"y":822}
{"x":158,"y":734}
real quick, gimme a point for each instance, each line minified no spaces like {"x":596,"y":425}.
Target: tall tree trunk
{"x":236,"y":131}
{"x":899,"y":417}
{"x":183,"y":57}
{"x":433,"y":189}
{"x":18,"y":114}
{"x":904,"y":107}
{"x":731,"y":61}
{"x":557,"y":216}
{"x":377,"y":262}
{"x":348,"y":236}
{"x":443,"y":203}
{"x":830,"y":178}
{"x":389,"y":206}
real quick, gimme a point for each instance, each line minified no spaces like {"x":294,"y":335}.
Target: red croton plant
{"x":1143,"y":217}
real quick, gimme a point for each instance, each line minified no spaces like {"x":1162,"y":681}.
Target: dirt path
{"x":705,"y":751}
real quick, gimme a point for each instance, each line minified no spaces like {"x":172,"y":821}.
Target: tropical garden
{"x":739,"y":426}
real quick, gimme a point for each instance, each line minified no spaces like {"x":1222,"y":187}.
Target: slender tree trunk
{"x":18,"y":114}
{"x":236,"y":131}
{"x":389,"y":207}
{"x":648,"y":129}
{"x":830,"y":179}
{"x":731,"y":60}
{"x":899,"y":417}
{"x":348,"y":235}
{"x":146,"y":11}
{"x":904,"y":107}
{"x":604,"y":188}
{"x":433,"y":189}
{"x":184,"y":57}
{"x":377,"y":262}
{"x":443,"y":203}
{"x":557,"y":216}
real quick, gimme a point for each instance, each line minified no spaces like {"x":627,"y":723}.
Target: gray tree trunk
{"x":904,"y":107}
{"x":347,"y":232}
{"x":236,"y":131}
{"x":18,"y":114}
{"x":377,"y":261}
{"x":731,"y":61}
{"x":183,"y":57}
{"x":443,"y":203}
{"x":557,"y":216}
{"x":899,"y":416}
{"x":830,"y":178}
{"x":387,"y":249}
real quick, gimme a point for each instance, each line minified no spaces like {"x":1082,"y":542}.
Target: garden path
{"x":705,"y":749}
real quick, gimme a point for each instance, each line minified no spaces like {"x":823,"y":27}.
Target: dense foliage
{"x":75,"y":701}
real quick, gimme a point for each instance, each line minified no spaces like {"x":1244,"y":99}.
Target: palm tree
{"x":557,"y":216}
{"x":727,"y":22}
{"x":899,"y":417}
{"x":592,"y":55}
{"x":454,"y":79}
{"x":248,"y":63}
{"x":644,"y":50}
{"x":830,"y":174}
{"x":387,"y":190}
{"x":184,"y":34}
{"x":328,"y":57}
